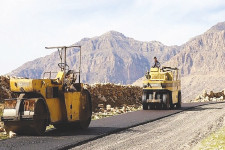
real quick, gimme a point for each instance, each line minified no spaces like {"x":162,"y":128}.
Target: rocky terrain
{"x":111,"y":57}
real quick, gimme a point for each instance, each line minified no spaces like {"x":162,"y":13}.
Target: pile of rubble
{"x":211,"y":96}
{"x":115,"y":95}
{"x":4,"y":88}
{"x":111,"y":111}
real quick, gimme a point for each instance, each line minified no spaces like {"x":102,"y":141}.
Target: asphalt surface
{"x":57,"y":139}
{"x":181,"y":131}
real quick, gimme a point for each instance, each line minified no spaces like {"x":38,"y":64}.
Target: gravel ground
{"x":214,"y":141}
{"x":180,"y":131}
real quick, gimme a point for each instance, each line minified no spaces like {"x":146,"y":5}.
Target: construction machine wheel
{"x":151,"y":106}
{"x":37,"y":126}
{"x":84,"y":124}
{"x":178,"y":105}
{"x":14,"y":126}
{"x":144,"y":101}
{"x":60,"y":126}
{"x":40,"y":121}
{"x":157,"y":106}
{"x":171,"y":105}
{"x":166,"y":101}
{"x":145,"y":106}
{"x":171,"y":101}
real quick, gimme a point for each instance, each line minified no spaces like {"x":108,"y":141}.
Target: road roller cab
{"x":61,"y":101}
{"x":161,"y":88}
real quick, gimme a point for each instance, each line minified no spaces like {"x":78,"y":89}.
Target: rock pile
{"x":211,"y":96}
{"x":4,"y":88}
{"x":115,"y":95}
{"x":111,"y":111}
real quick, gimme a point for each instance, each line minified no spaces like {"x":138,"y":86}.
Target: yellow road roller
{"x":161,"y":88}
{"x":58,"y":99}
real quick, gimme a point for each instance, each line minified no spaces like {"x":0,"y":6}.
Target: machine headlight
{"x":155,"y":85}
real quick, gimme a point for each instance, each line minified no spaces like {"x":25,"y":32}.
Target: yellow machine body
{"x":61,"y":101}
{"x":162,"y":88}
{"x":51,"y":91}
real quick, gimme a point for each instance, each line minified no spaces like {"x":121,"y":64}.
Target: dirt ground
{"x":177,"y":132}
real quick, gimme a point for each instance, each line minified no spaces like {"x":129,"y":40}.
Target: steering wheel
{"x":61,"y":66}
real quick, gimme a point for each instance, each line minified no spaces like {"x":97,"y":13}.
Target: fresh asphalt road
{"x":57,"y":139}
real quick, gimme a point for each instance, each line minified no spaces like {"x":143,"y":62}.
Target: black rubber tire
{"x":165,"y":104}
{"x":144,"y":101}
{"x":151,"y":106}
{"x":171,"y":104}
{"x":145,"y":106}
{"x":171,"y":101}
{"x":158,"y":106}
{"x":168,"y":102}
{"x":178,"y":105}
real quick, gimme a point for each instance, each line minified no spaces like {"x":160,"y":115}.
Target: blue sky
{"x":27,"y":26}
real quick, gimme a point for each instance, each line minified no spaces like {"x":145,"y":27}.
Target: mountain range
{"x":113,"y":57}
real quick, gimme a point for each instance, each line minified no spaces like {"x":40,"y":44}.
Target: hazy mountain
{"x":202,"y":62}
{"x":203,"y":54}
{"x":111,"y":57}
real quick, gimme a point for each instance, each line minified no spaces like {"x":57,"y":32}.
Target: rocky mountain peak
{"x":114,"y":33}
{"x":218,"y":27}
